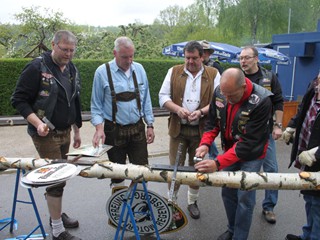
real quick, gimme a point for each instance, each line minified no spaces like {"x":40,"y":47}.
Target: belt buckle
{"x":58,"y":132}
{"x":61,"y":132}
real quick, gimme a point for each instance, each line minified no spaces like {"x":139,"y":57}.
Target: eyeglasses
{"x":246,"y":58}
{"x":66,"y":50}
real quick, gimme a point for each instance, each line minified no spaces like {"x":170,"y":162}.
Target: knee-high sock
{"x":57,"y":227}
{"x":193,"y":195}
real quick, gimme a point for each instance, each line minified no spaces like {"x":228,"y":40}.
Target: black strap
{"x":135,"y":82}
{"x":114,"y":95}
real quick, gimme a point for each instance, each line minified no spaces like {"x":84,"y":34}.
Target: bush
{"x":10,"y":70}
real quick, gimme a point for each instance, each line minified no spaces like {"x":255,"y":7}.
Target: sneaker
{"x":67,"y":221}
{"x":65,"y":236}
{"x":292,"y":237}
{"x":194,"y":210}
{"x":225,"y":236}
{"x":269,"y":216}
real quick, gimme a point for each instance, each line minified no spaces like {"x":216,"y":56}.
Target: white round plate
{"x":52,"y":173}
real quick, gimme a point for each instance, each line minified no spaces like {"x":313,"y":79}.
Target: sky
{"x":95,"y":12}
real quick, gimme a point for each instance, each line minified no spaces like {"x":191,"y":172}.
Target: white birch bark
{"x":239,"y":179}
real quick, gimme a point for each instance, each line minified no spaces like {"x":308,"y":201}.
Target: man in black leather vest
{"x":240,"y":111}
{"x":267,"y":79}
{"x":49,"y":87}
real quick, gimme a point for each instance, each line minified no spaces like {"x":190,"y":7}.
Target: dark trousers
{"x":131,"y":144}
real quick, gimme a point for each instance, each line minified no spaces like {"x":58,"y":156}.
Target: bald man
{"x":240,"y":111}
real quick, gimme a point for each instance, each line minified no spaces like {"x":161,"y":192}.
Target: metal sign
{"x":161,"y":211}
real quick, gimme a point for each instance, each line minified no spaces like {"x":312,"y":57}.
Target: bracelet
{"x":279,"y":125}
{"x":150,"y":126}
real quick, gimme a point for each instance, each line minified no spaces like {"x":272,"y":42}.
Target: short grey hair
{"x":234,"y":73}
{"x":64,"y":35}
{"x":253,"y":48}
{"x":122,"y":41}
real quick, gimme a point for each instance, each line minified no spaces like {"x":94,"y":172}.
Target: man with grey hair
{"x":121,"y":107}
{"x":49,"y":86}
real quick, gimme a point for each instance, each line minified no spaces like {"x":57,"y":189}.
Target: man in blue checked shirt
{"x":121,"y":107}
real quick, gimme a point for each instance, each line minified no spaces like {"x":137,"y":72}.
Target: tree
{"x":37,"y":27}
{"x":210,"y":10}
{"x":237,"y":22}
{"x":95,"y":45}
{"x":183,"y":24}
{"x":248,"y":22}
{"x":170,"y":16}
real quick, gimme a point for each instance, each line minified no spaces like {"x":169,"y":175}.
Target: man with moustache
{"x":186,"y":92}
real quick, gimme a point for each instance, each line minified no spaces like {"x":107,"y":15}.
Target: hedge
{"x":10,"y":70}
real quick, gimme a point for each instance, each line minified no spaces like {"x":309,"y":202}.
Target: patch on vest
{"x":254,"y":99}
{"x":243,"y":119}
{"x":219,"y":103}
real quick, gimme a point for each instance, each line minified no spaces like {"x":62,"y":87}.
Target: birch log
{"x":239,"y":179}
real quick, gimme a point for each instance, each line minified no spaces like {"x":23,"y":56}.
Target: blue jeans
{"x":270,"y":165}
{"x":311,"y":230}
{"x":213,"y":151}
{"x":238,"y":204}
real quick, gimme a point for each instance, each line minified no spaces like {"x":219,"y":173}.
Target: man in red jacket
{"x":240,"y":111}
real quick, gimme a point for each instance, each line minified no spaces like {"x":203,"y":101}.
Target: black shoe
{"x":269,"y":216}
{"x":292,"y":237}
{"x":194,"y":210}
{"x":67,"y":221}
{"x":225,"y":236}
{"x":65,"y":236}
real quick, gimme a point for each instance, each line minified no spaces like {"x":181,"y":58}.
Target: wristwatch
{"x":217,"y":163}
{"x":279,"y":125}
{"x":202,"y":114}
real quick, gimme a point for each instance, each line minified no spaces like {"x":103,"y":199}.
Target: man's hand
{"x":183,"y":113}
{"x":76,"y":136}
{"x":76,"y":140}
{"x":207,"y":166}
{"x":276,"y":133}
{"x":202,"y":151}
{"x":98,"y":135}
{"x":42,"y":129}
{"x":150,"y":135}
{"x":195,"y":115}
{"x":288,"y":134}
{"x":308,"y":157}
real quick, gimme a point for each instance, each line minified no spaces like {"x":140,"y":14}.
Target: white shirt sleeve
{"x":165,"y":91}
{"x":217,"y":80}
